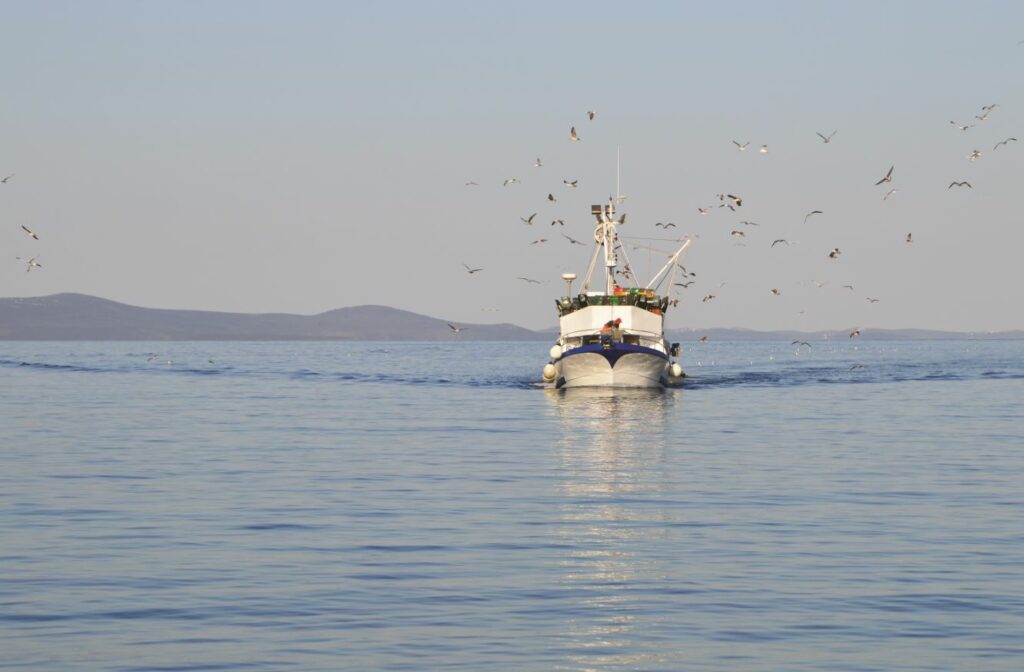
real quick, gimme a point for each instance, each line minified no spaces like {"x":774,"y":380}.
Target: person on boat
{"x":617,"y":330}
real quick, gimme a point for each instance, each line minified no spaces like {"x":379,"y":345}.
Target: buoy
{"x":675,"y":370}
{"x":555,"y":351}
{"x":549,"y":372}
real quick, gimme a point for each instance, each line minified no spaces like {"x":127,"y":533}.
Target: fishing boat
{"x":612,"y":333}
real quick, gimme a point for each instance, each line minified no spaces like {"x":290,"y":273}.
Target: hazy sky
{"x":299,"y":157}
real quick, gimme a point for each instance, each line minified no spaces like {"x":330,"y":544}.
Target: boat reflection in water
{"x":616,"y":514}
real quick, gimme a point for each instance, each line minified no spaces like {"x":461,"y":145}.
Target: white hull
{"x":592,"y":369}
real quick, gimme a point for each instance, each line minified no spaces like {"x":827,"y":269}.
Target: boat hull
{"x":612,"y":367}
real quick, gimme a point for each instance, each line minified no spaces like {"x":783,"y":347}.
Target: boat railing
{"x":638,"y":297}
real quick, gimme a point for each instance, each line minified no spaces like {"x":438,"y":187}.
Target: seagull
{"x":780,"y":240}
{"x":560,"y":222}
{"x":704,"y":211}
{"x":539,"y":240}
{"x":764,"y":149}
{"x":591,"y":114}
{"x":889,"y":193}
{"x":528,"y":220}
{"x":775,"y":292}
{"x":834,"y":254}
{"x":538,"y":163}
{"x":740,"y":147}
{"x":981,"y":117}
{"x":571,"y":185}
{"x":1004,"y":142}
{"x":572,"y":240}
{"x":30,"y":263}
{"x":824,"y":139}
{"x":887,"y":178}
{"x":871,"y":300}
{"x":812,"y":212}
{"x":801,"y":343}
{"x":472,"y":184}
{"x":471,"y":271}
{"x":973,"y":156}
{"x":30,"y":232}
{"x":454,"y":328}
{"x":707,"y":298}
{"x":855,"y":332}
{"x":740,"y":234}
{"x":959,"y":184}
{"x":4,"y":181}
{"x":703,"y":339}
{"x":962,"y":127}
{"x":856,"y":366}
{"x":849,"y":287}
{"x":684,"y":285}
{"x":989,"y":108}
{"x":551,"y":197}
{"x":665,"y":225}
{"x":910,"y":238}
{"x":749,"y":223}
{"x":737,"y":200}
{"x":530,"y":280}
{"x":511,"y":180}
{"x":572,"y":135}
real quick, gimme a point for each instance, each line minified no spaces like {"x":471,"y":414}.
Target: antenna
{"x":618,"y":192}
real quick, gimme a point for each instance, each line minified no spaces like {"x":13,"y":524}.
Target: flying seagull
{"x":737,"y":233}
{"x":834,"y":254}
{"x":973,"y":156}
{"x":749,"y":223}
{"x":472,"y":184}
{"x":887,"y":178}
{"x":30,"y":263}
{"x":455,"y":329}
{"x":572,"y":240}
{"x":538,"y":163}
{"x":801,"y":343}
{"x":780,"y":240}
{"x":825,"y":139}
{"x":471,"y":271}
{"x":959,"y":184}
{"x":872,"y":300}
{"x":665,"y":225}
{"x":889,"y":193}
{"x":684,"y":285}
{"x":560,"y":222}
{"x":539,"y":240}
{"x":511,"y":180}
{"x":707,"y":298}
{"x":764,"y":149}
{"x":1004,"y":142}
{"x":775,"y":292}
{"x":551,"y":197}
{"x":849,"y":287}
{"x":528,"y":220}
{"x":30,"y":232}
{"x":909,"y":238}
{"x":962,"y":127}
{"x":855,"y":332}
{"x":703,"y":339}
{"x":812,"y":212}
{"x":740,"y":147}
{"x":571,"y":185}
{"x":704,"y":211}
{"x":530,"y":280}
{"x":591,"y":114}
{"x":572,"y":135}
{"x":4,"y":181}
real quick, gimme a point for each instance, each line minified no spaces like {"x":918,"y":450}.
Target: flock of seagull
{"x":733,"y":202}
{"x":30,"y":262}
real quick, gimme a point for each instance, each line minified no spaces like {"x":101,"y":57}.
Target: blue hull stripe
{"x":613,"y":353}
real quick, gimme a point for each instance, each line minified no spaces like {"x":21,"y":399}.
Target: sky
{"x":302,"y":157}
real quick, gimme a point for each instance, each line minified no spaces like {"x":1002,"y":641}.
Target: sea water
{"x":400,"y":506}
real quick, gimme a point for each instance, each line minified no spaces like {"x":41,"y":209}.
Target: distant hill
{"x":77,"y":317}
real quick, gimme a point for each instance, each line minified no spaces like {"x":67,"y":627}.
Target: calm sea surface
{"x":366,"y":506}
